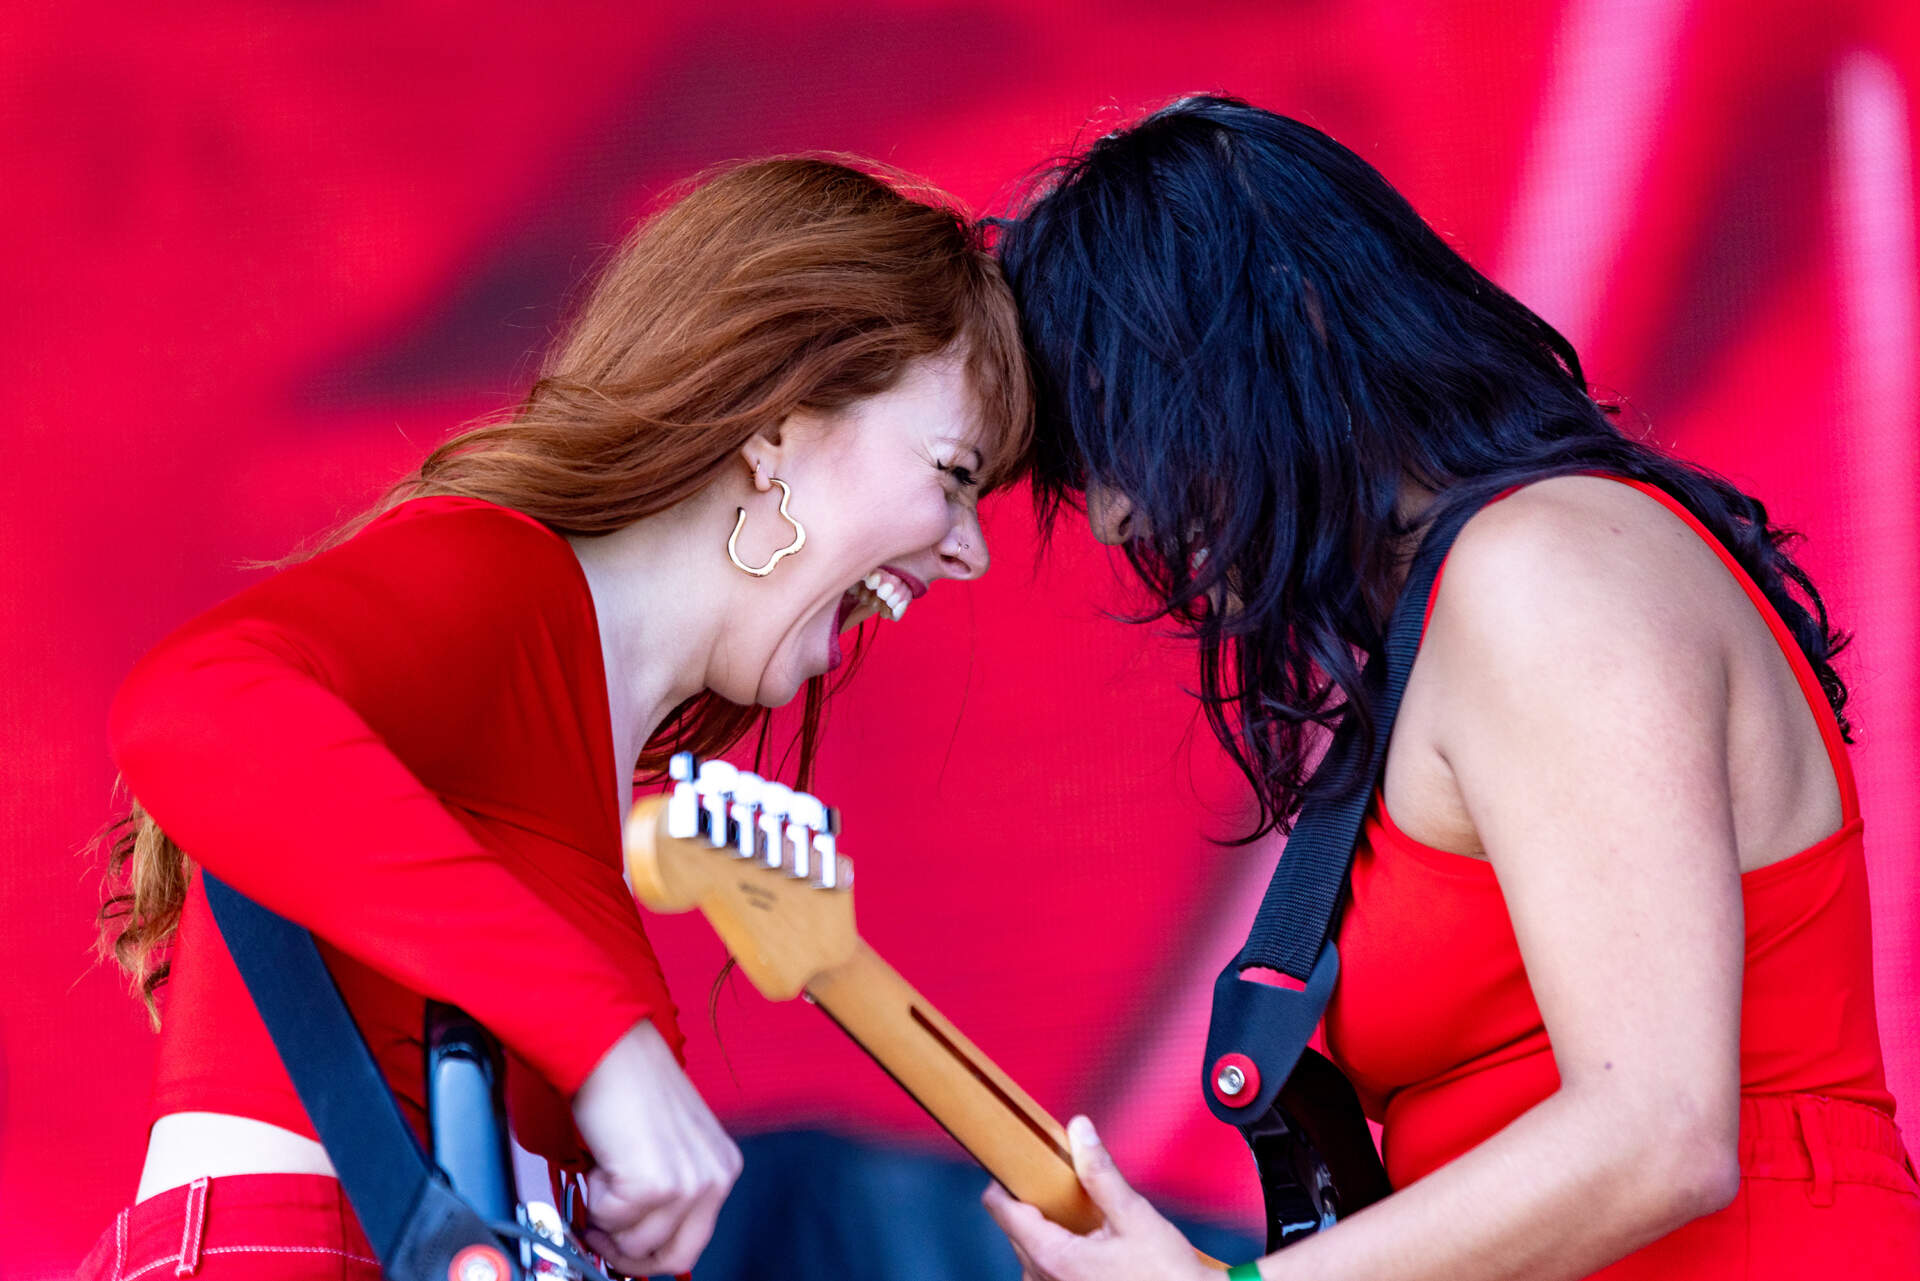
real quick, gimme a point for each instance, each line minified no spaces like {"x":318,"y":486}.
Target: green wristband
{"x":1244,"y":1272}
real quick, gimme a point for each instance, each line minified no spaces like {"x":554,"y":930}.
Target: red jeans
{"x":1827,"y":1193}
{"x":245,"y":1227}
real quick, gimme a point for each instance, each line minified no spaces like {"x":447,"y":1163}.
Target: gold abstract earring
{"x":740,"y":522}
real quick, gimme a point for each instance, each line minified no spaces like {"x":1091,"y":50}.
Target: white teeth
{"x":889,"y":591}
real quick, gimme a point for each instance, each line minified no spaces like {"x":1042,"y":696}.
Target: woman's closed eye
{"x":963,"y":476}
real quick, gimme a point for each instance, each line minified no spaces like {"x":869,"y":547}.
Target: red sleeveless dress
{"x":1435,"y":1023}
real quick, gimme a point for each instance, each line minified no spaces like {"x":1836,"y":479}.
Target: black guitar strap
{"x":1259,"y":1030}
{"x":418,"y":1225}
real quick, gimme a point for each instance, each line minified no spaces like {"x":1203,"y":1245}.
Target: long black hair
{"x":1237,"y":324}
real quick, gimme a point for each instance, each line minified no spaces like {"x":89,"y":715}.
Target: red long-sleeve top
{"x":402,"y":744}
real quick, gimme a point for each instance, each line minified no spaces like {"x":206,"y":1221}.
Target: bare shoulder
{"x":1573,"y":561}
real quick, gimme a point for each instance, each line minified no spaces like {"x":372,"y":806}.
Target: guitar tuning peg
{"x":748,"y":789}
{"x":826,"y":849}
{"x":683,"y":810}
{"x":776,"y":799}
{"x":716,"y":776}
{"x":803,"y":809}
{"x":682,"y":767}
{"x":809,"y":816}
{"x":715,"y":782}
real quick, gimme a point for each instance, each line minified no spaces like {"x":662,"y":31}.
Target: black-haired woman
{"x":1607,"y":976}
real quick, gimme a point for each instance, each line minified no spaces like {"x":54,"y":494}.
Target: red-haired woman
{"x":420,"y":742}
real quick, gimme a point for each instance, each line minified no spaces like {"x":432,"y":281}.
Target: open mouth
{"x":884,"y":593}
{"x":1196,"y":531}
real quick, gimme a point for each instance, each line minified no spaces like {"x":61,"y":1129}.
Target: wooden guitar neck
{"x":974,"y":1101}
{"x":761,"y":863}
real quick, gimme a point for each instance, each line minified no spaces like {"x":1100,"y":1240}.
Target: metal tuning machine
{"x":684,"y":812}
{"x":715,"y":783}
{"x":749,"y":790}
{"x":809,"y":816}
{"x":835,"y":871}
{"x":756,"y":819}
{"x":776,"y":805}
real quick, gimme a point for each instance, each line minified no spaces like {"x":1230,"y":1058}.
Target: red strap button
{"x":479,"y":1263}
{"x":1236,"y":1080}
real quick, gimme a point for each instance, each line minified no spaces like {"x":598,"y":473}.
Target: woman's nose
{"x":963,"y":552}
{"x":1110,"y":513}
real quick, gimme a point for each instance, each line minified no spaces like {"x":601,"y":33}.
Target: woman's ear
{"x":772,"y":450}
{"x":762,"y":454}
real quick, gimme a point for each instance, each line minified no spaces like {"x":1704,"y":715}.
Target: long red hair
{"x":765,"y":288}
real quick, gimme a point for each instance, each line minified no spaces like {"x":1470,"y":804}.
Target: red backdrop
{"x":257,"y":259}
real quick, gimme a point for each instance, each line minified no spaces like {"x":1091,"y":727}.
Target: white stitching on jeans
{"x":146,"y":1268}
{"x":288,"y":1249}
{"x":120,"y":1243}
{"x":250,"y":1249}
{"x":190,"y":1225}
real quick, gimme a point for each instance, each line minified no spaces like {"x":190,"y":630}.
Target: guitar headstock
{"x":758,"y":859}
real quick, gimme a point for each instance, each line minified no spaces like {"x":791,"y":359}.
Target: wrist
{"x":623,"y":1085}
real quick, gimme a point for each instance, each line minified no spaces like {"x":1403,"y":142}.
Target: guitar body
{"x":1315,"y":1154}
{"x":466,"y":1112}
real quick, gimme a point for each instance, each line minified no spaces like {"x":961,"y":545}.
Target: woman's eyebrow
{"x":979,"y":458}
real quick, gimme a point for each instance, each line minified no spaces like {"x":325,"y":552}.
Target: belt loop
{"x":193,"y":1228}
{"x":1813,"y":1133}
{"x":120,"y":1242}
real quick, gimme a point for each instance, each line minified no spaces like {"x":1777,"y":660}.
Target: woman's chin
{"x":777,"y":691}
{"x":782,"y":684}
{"x":818,"y":651}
